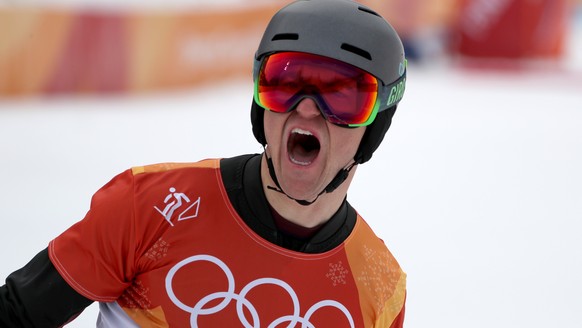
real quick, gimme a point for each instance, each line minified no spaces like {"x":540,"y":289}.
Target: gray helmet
{"x":346,"y":31}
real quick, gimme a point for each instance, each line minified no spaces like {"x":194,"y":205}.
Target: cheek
{"x":347,"y":141}
{"x":273,"y":127}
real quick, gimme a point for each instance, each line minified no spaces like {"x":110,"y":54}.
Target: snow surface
{"x":477,"y":189}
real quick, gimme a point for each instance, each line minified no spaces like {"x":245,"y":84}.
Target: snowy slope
{"x":477,"y":189}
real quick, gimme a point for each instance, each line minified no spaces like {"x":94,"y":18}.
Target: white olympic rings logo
{"x":241,"y":302}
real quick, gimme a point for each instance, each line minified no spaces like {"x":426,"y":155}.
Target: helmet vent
{"x":358,"y":51}
{"x":285,"y":36}
{"x":369,"y":11}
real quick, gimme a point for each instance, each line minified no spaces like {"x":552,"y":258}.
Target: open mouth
{"x":303,"y":147}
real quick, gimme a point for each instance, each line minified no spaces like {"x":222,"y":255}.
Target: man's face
{"x":307,"y":151}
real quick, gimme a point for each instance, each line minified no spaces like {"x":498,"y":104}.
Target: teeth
{"x":303,"y":132}
{"x":293,"y":160}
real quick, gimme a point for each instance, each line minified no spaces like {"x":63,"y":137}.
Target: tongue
{"x":303,"y":148}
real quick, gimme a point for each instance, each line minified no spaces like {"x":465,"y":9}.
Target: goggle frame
{"x":388,"y":95}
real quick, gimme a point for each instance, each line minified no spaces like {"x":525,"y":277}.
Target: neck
{"x":309,"y":216}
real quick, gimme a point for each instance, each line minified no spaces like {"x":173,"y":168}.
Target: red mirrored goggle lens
{"x":345,"y":94}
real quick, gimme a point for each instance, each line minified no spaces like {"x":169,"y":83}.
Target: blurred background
{"x":102,"y":47}
{"x":477,"y":189}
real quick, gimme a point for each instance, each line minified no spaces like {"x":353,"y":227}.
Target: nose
{"x":308,"y":108}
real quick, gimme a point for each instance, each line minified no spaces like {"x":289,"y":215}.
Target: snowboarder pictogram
{"x":175,"y":200}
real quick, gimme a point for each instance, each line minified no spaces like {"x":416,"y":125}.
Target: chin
{"x":307,"y":193}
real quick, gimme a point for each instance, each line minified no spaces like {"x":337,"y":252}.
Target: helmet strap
{"x":339,"y":178}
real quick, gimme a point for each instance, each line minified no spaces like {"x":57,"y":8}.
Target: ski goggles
{"x":346,"y":95}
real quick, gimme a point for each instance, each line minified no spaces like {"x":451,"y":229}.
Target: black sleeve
{"x":37,"y":296}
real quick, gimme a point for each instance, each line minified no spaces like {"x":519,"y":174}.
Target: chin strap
{"x":339,"y":178}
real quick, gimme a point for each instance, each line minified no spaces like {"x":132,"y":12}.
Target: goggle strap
{"x":391,"y":94}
